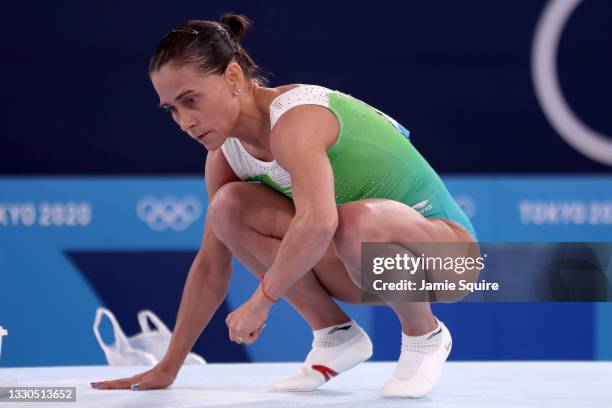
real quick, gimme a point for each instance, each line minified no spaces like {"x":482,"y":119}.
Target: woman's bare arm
{"x":205,"y":289}
{"x":209,"y":275}
{"x":300,"y":141}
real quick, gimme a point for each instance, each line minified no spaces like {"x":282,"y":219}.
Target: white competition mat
{"x":463,"y":384}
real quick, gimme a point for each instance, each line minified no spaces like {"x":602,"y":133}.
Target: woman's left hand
{"x":246,"y":323}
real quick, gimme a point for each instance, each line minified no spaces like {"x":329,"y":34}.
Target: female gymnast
{"x":298,"y":176}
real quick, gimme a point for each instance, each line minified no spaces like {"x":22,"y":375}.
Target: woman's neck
{"x":253,"y":124}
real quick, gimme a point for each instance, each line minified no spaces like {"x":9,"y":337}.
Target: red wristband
{"x":264,"y":292}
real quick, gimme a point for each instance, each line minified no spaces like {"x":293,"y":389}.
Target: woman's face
{"x":203,"y":105}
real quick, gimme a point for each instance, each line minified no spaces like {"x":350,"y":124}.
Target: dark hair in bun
{"x":237,"y":24}
{"x":208,"y":45}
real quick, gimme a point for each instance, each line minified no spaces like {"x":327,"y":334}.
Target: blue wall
{"x":457,"y":74}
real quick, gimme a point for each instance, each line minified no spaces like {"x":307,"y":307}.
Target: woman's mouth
{"x":202,"y":136}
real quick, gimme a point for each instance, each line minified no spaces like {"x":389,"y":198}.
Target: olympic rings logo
{"x":169,"y":212}
{"x":581,"y":137}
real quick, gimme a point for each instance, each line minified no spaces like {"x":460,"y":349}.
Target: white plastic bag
{"x":156,"y":341}
{"x":145,"y":348}
{"x":120,"y":353}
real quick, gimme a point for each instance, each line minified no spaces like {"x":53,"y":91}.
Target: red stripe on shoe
{"x":327,"y":372}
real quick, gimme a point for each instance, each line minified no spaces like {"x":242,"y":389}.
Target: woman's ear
{"x":234,"y":76}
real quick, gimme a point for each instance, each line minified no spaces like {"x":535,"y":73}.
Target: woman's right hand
{"x":155,"y":378}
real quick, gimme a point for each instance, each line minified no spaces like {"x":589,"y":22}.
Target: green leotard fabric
{"x":374,"y":158}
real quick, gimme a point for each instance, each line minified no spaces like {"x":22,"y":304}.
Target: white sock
{"x":334,"y":335}
{"x":426,"y":343}
{"x":335,"y":349}
{"x":420,"y":364}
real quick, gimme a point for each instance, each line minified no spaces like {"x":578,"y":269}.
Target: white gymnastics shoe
{"x":420,"y":364}
{"x":335,"y":349}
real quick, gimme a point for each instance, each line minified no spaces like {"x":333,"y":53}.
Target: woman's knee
{"x":226,"y":207}
{"x":353,"y":229}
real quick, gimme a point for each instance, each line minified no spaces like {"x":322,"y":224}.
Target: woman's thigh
{"x":381,"y":220}
{"x":388,"y":221}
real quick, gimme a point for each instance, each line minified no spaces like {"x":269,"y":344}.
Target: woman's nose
{"x":186,"y":124}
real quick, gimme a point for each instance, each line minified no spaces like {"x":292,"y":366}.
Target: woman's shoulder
{"x":299,"y":90}
{"x":286,"y":97}
{"x":279,"y":90}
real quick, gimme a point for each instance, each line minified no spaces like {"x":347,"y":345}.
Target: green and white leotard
{"x":372,"y":158}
